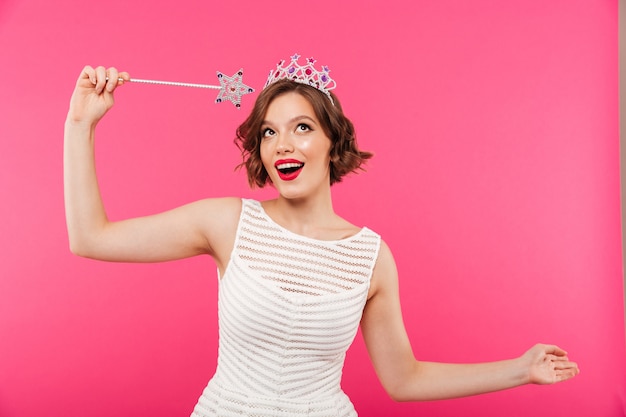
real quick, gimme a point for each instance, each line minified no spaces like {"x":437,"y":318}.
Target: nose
{"x":283,"y":144}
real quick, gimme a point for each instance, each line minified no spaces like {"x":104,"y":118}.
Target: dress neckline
{"x":299,"y":236}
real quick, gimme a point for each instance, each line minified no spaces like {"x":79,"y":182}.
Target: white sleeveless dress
{"x":289,"y":308}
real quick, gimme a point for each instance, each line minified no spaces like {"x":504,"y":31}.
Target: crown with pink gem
{"x":303,"y":74}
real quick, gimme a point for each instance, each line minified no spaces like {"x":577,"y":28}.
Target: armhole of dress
{"x":244,"y":203}
{"x":375,"y":257}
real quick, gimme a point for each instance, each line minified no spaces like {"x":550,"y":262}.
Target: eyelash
{"x":267,"y":130}
{"x":307,"y":127}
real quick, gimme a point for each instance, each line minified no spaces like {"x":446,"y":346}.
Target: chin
{"x":291,"y":195}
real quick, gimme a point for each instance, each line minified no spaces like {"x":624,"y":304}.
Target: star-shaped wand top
{"x":232,"y":88}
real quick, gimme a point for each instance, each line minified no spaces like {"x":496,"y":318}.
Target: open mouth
{"x":289,"y":170}
{"x":289,"y":167}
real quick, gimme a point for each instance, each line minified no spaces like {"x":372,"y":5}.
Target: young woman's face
{"x":295,"y":151}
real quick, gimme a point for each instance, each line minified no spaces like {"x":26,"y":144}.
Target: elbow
{"x":80,"y":247}
{"x":398,"y":392}
{"x":406,"y":385}
{"x":397,"y":395}
{"x":400,"y":395}
{"x":84,"y":242}
{"x":396,"y":398}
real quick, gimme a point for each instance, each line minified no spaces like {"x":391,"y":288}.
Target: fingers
{"x":124,"y":76}
{"x":550,"y":364}
{"x":112,"y":79}
{"x":104,"y":79}
{"x":554,"y":358}
{"x":562,"y":368}
{"x":563,"y":374}
{"x":554,"y":350}
{"x":88,"y":73}
{"x":561,"y":362}
{"x":565,"y":366}
{"x":101,"y":79}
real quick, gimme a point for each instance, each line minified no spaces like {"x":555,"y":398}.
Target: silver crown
{"x":303,"y":74}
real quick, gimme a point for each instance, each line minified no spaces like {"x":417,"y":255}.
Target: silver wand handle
{"x":174,"y":83}
{"x":231,"y":88}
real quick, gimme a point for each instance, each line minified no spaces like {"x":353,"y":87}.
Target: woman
{"x":296,"y":279}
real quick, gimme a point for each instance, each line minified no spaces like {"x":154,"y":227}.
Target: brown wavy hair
{"x":345,"y":156}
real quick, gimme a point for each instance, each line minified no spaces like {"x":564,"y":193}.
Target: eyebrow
{"x":293,"y":120}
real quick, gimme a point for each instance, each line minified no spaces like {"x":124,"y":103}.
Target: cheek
{"x":264,"y":154}
{"x":319,"y":147}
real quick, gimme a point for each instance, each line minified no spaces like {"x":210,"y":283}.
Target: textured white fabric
{"x":289,"y":308}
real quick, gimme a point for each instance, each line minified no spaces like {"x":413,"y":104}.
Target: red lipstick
{"x":288,"y":169}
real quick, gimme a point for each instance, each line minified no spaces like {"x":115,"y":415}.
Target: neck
{"x":302,"y":214}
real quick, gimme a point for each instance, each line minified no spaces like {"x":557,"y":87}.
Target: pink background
{"x":495,"y":183}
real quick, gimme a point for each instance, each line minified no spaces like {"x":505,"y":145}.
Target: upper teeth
{"x":288,"y":165}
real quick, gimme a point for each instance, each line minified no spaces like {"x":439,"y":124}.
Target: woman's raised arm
{"x":206,"y":226}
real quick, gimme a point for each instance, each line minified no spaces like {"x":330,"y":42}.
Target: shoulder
{"x":219,"y":218}
{"x":206,"y":212}
{"x":346,"y":229}
{"x":221,"y":208}
{"x":385,"y":274}
{"x":385,"y":260}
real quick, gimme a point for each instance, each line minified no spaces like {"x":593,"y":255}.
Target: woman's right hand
{"x":93,"y":94}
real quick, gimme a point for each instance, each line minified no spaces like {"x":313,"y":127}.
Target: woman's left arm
{"x":406,"y":379}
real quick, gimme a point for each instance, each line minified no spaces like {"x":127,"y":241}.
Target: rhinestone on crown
{"x":303,"y":74}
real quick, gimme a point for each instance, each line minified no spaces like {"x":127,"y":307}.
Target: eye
{"x":303,"y":127}
{"x":267,"y":132}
